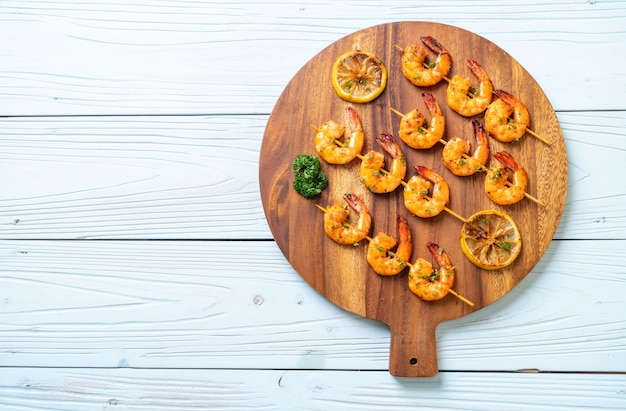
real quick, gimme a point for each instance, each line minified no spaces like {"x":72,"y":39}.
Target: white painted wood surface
{"x":129,"y":164}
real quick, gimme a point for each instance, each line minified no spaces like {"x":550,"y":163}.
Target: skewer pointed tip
{"x":538,"y":137}
{"x":460,"y":297}
{"x":321,"y":208}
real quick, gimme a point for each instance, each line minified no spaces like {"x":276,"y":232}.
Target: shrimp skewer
{"x":495,"y":182}
{"x":456,"y":156}
{"x":471,"y":95}
{"x":429,"y":284}
{"x":417,"y":71}
{"x":398,"y":260}
{"x":329,"y":145}
{"x":483,"y":167}
{"x":425,"y":196}
{"x":373,"y":161}
{"x":411,"y":130}
{"x":336,"y":223}
{"x":380,"y":254}
{"x":507,"y":118}
{"x":459,"y":86}
{"x":415,"y":199}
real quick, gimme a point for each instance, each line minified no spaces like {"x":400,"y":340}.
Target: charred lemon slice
{"x":490,"y":240}
{"x":359,"y":76}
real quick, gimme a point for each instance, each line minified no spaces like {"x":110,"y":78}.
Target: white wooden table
{"x":137,"y":271}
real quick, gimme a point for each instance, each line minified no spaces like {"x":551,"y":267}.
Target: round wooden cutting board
{"x":341,"y":273}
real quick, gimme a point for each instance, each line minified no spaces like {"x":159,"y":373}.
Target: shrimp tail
{"x":431,"y":103}
{"x":403,"y":229}
{"x":438,"y":254}
{"x":506,"y":97}
{"x":476,"y":69}
{"x":425,"y":172}
{"x":433,"y":45}
{"x":388,"y":143}
{"x":354,"y":201}
{"x":479,"y":133}
{"x":507,"y":160}
{"x":352,"y":118}
{"x":434,"y":249}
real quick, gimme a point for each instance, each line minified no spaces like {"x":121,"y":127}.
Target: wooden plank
{"x":146,"y":177}
{"x":37,"y":389}
{"x":170,"y":57}
{"x":196,"y":177}
{"x":239,"y":305}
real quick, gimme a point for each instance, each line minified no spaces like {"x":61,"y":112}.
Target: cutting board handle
{"x":413,"y":352}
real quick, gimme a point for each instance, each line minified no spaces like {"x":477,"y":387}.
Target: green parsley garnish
{"x":309,"y":179}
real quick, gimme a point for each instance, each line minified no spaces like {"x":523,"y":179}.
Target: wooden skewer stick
{"x":482,"y":167}
{"x":460,"y":297}
{"x":454,"y":293}
{"x":537,"y":136}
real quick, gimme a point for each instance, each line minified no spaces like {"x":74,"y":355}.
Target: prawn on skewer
{"x":497,"y":185}
{"x":338,"y":144}
{"x":417,"y":71}
{"x":388,"y":255}
{"x":467,"y":103}
{"x":430,"y":284}
{"x":456,"y":156}
{"x":416,"y":198}
{"x":411,"y":129}
{"x":373,"y":161}
{"x":506,"y":118}
{"x":336,"y":223}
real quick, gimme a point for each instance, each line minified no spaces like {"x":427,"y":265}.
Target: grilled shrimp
{"x":496,"y":182}
{"x":372,"y":176}
{"x":456,"y":153}
{"x":338,"y":144}
{"x":467,"y":103}
{"x":388,"y":255}
{"x":336,"y":221}
{"x":419,"y":73}
{"x":411,"y":130}
{"x":506,"y":118}
{"x":430,"y":284}
{"x":416,"y":198}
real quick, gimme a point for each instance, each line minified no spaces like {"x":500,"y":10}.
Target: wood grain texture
{"x":239,"y":305}
{"x":236,"y":390}
{"x":173,"y":57}
{"x":93,"y":323}
{"x":196,"y":177}
{"x":342,"y":273}
{"x":140,"y":177}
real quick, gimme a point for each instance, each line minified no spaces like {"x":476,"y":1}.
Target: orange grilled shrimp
{"x":388,"y":255}
{"x":336,"y":223}
{"x":372,"y":176}
{"x":411,"y":130}
{"x":416,"y":198}
{"x":430,"y":284}
{"x":419,"y":73}
{"x":456,"y":153}
{"x":338,"y":144}
{"x":506,"y":118}
{"x":496,"y":182}
{"x":467,"y":103}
